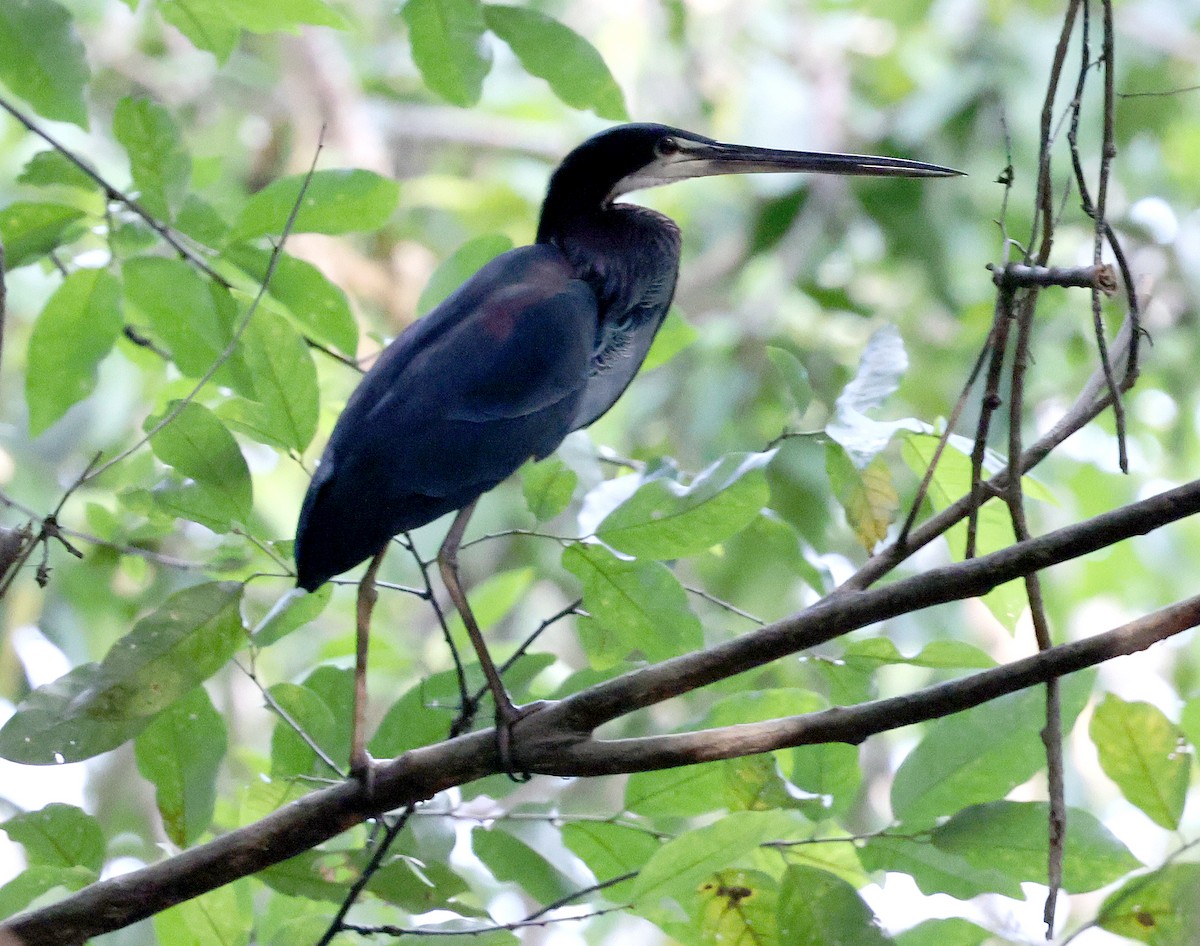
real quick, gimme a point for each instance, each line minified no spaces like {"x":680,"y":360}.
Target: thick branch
{"x":855,"y":723}
{"x":842,"y":612}
{"x":555,"y":740}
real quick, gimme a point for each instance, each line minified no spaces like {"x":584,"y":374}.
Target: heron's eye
{"x":665,"y":147}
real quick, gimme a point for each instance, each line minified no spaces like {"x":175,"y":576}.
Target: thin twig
{"x":275,"y":707}
{"x":238,"y":331}
{"x":382,"y":846}
{"x":397,"y":931}
{"x":723,"y":604}
{"x":1014,"y":497}
{"x":170,"y":236}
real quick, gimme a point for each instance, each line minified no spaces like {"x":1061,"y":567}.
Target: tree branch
{"x":556,"y":740}
{"x":855,"y":723}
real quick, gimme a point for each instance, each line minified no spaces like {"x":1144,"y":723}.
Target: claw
{"x":507,"y":715}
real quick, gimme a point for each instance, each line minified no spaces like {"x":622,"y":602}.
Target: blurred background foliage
{"x":197,"y":107}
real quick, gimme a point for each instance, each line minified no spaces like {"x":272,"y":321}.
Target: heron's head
{"x":636,"y":156}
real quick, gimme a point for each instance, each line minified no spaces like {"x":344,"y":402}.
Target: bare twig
{"x":1098,"y":276}
{"x":382,"y":846}
{"x":275,"y":707}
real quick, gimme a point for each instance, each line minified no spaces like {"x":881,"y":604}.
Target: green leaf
{"x":940,"y":655}
{"x":36,"y":881}
{"x":548,"y":487}
{"x":547,"y":49}
{"x":199,"y":446}
{"x":816,"y":909}
{"x":291,"y":755}
{"x":867,"y":495}
{"x":46,"y":728}
{"x":317,"y":876}
{"x":792,"y":375}
{"x":634,"y":605}
{"x":829,"y":772}
{"x":96,"y":707}
{"x":191,"y":317}
{"x":416,"y":887}
{"x":222,"y":917}
{"x":279,"y":16}
{"x":736,"y":907}
{"x":293,"y":612}
{"x":610,"y":850}
{"x":679,"y":865}
{"x":753,"y":783}
{"x":180,"y":645}
{"x":215,"y":25}
{"x":265,"y":795}
{"x":460,"y":266}
{"x":1146,"y":755}
{"x":980,"y":754}
{"x":58,"y":836}
{"x":42,"y":59}
{"x":1189,"y":721}
{"x":934,"y":870}
{"x":206,"y":25}
{"x":673,"y":336}
{"x":665,"y":519}
{"x":201,"y":221}
{"x":160,"y":164}
{"x":954,"y":931}
{"x":1162,"y":908}
{"x":31,"y":230}
{"x":336,"y":201}
{"x":951,"y":480}
{"x":681,"y":792}
{"x":180,"y":753}
{"x":448,"y":47}
{"x":54,"y":169}
{"x":1011,"y":837}
{"x":316,"y":306}
{"x":511,"y":859}
{"x":739,"y":906}
{"x":420,"y":717}
{"x":852,"y":675}
{"x":75,"y":331}
{"x":284,"y":410}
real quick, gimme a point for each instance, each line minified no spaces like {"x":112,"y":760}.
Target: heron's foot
{"x":362,"y":770}
{"x":506,"y":718}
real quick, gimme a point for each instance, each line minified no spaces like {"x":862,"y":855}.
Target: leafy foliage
{"x":185,"y":303}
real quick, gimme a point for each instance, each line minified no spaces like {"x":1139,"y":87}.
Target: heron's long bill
{"x":689,"y":158}
{"x":697,"y":159}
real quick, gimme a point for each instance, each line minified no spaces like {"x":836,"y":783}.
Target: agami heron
{"x":540,"y":342}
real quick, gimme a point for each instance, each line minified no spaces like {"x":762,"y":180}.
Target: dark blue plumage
{"x":540,"y":342}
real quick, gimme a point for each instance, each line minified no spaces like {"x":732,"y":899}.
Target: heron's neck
{"x":626,"y":253}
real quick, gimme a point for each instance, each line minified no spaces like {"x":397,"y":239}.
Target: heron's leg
{"x":360,"y":761}
{"x":506,"y":712}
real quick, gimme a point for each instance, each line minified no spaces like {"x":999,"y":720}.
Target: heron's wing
{"x":489,"y":379}
{"x":487,"y":384}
